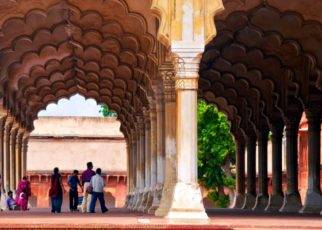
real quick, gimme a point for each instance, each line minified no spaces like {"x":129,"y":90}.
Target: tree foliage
{"x":106,"y":112}
{"x":216,"y":148}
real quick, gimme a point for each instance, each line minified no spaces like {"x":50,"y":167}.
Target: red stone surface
{"x":123,"y":219}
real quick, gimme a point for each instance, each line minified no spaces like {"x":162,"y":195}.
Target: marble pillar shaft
{"x":160,"y":139}
{"x":277,"y":135}
{"x":147,"y":142}
{"x":12,"y":156}
{"x":153,"y":164}
{"x":262,"y":163}
{"x":240,"y":174}
{"x":251,"y":164}
{"x":6,"y":159}
{"x":2,"y":126}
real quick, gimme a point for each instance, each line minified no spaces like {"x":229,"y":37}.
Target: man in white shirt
{"x":97,"y":183}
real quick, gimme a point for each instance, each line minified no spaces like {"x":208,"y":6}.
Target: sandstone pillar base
{"x":292,"y":203}
{"x":275,"y":203}
{"x":157,"y":193}
{"x":261,"y":202}
{"x":239,"y":200}
{"x":250,"y":200}
{"x":313,"y":202}
{"x":186,"y":203}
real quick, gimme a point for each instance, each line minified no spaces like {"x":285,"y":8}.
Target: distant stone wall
{"x":69,"y":143}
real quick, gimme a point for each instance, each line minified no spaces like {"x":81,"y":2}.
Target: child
{"x":73,"y":182}
{"x":11,"y":203}
{"x":22,"y":200}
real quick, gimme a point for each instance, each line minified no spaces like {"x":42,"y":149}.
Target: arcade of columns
{"x":149,"y":62}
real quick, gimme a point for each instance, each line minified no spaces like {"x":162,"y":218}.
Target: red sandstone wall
{"x":115,"y":190}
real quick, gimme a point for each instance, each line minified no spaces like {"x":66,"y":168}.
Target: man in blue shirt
{"x":73,"y":182}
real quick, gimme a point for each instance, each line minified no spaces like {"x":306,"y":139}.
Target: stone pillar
{"x":160,"y":138}
{"x":276,"y":198}
{"x":160,"y":147}
{"x":12,"y":156}
{"x":250,"y":197}
{"x":25,"y":139}
{"x":154,"y":188}
{"x":292,"y":199}
{"x":168,"y":75}
{"x":6,"y":150}
{"x":262,"y":196}
{"x":240,"y":172}
{"x":187,"y":199}
{"x":3,"y":116}
{"x":141,"y":162}
{"x":18,"y":156}
{"x":313,"y":198}
{"x":133,"y":198}
{"x":147,"y":160}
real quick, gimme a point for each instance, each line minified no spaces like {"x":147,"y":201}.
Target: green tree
{"x":216,"y":149}
{"x":106,"y":112}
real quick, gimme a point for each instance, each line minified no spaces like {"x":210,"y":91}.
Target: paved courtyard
{"x":123,"y":219}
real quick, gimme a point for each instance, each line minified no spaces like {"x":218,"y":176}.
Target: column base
{"x":127,"y":200}
{"x":138,"y":201}
{"x":249,"y":202}
{"x":275,"y":203}
{"x":3,"y":207}
{"x":292,"y":203}
{"x":143,"y":200}
{"x":157,"y":194}
{"x":186,"y":203}
{"x":239,"y":200}
{"x":313,"y":202}
{"x":261,"y":202}
{"x":149,"y":201}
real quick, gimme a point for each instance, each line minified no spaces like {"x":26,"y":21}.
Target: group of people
{"x":91,"y":183}
{"x":20,"y":201}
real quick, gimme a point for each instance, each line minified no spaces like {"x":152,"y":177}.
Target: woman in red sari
{"x":23,"y":187}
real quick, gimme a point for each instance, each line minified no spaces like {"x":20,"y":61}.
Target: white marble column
{"x":148,"y":196}
{"x":25,"y":139}
{"x":154,"y":194}
{"x":167,"y":73}
{"x":160,"y":153}
{"x":18,"y":152}
{"x":187,"y":199}
{"x":3,"y":117}
{"x":6,"y":150}
{"x":12,"y":156}
{"x":133,"y":169}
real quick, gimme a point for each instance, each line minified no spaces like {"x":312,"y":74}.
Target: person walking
{"x":86,"y":178}
{"x":73,"y":182}
{"x":56,"y":191}
{"x":97,"y":183}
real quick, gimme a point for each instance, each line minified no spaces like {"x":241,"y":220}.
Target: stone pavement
{"x":123,"y":219}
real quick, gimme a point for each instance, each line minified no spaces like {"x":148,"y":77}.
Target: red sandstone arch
{"x":102,"y":50}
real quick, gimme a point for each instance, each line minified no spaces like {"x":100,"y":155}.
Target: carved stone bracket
{"x":167,"y":72}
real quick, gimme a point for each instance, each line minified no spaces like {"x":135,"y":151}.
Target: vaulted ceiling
{"x":104,"y":50}
{"x":264,"y":65}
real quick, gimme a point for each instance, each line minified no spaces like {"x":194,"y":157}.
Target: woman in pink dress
{"x":23,"y":200}
{"x":23,"y":192}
